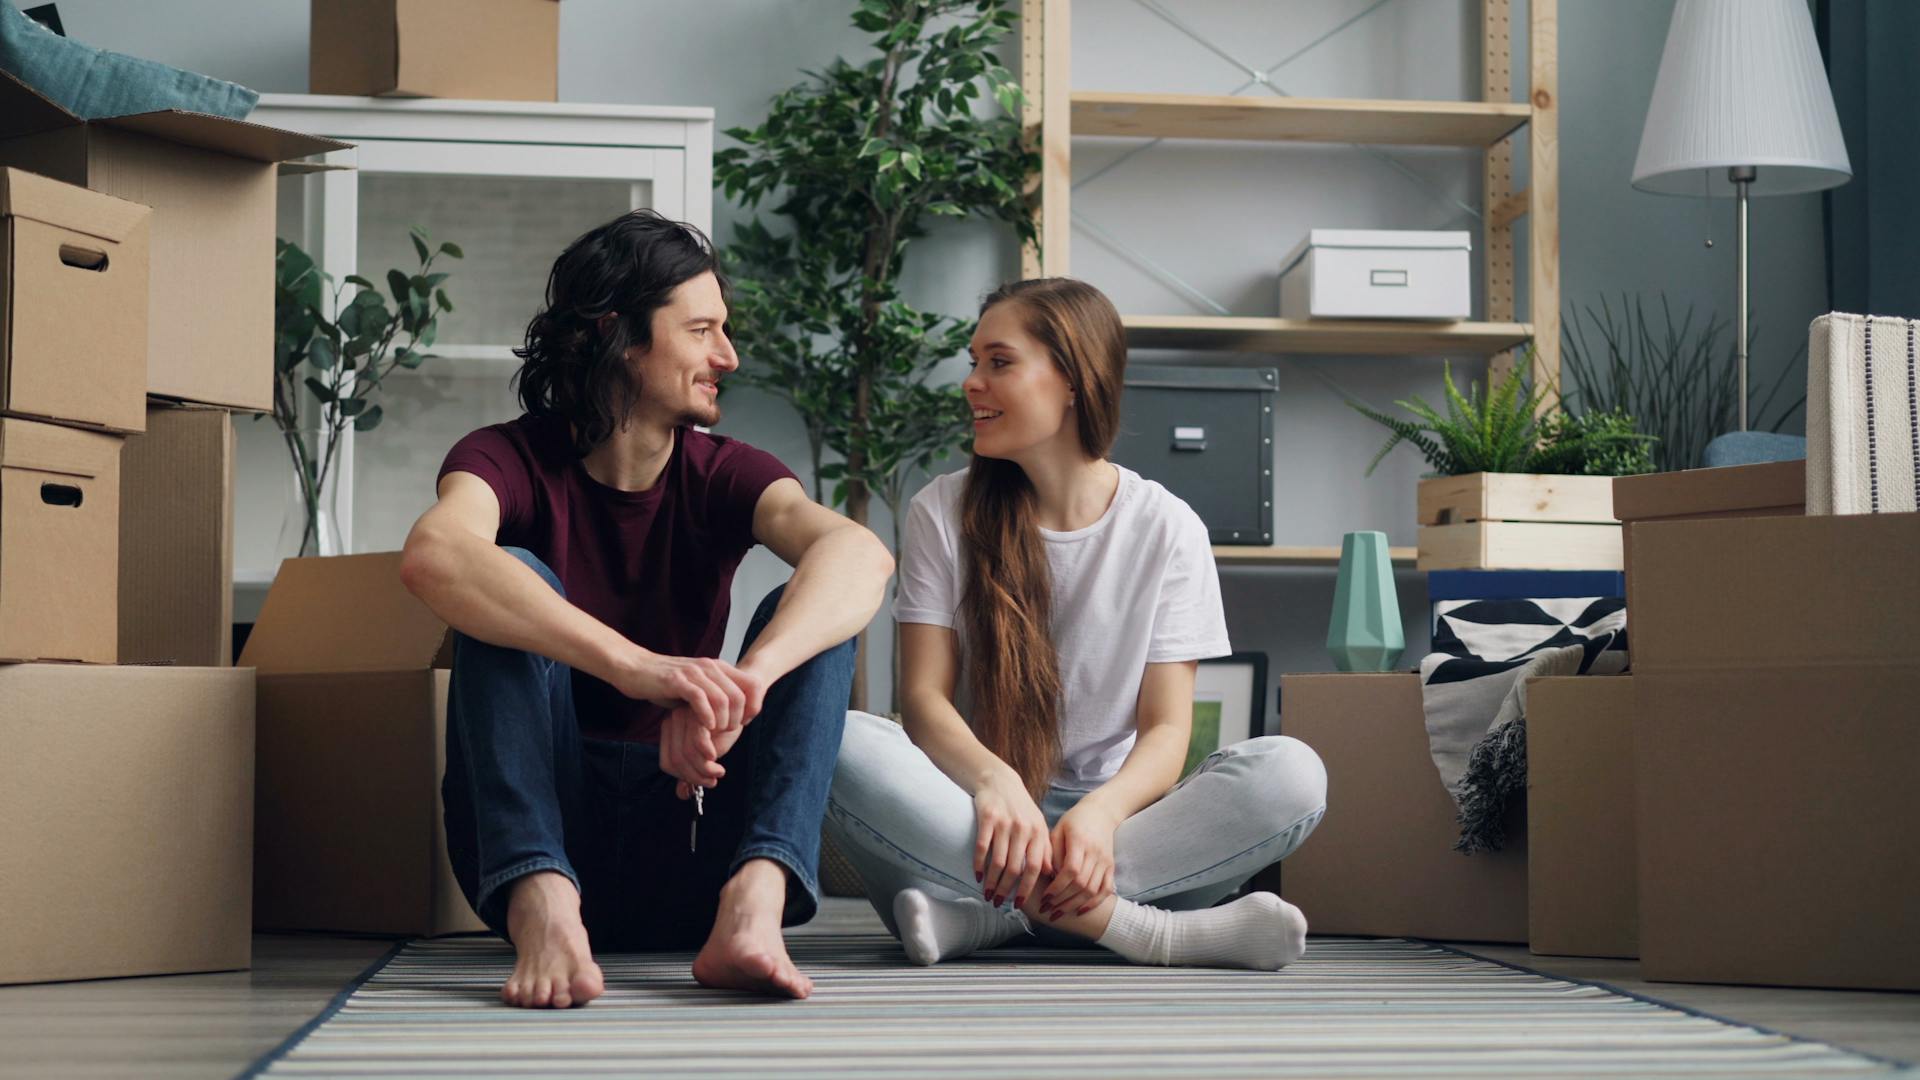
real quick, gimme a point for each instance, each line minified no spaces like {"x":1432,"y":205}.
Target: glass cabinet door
{"x":512,"y":214}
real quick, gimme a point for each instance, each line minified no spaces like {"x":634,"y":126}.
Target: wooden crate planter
{"x":1518,"y":521}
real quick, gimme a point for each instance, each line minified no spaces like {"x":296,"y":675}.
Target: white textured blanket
{"x":1474,"y":691}
{"x":1863,"y":390}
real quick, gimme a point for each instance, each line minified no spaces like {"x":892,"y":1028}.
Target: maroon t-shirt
{"x":656,"y":565}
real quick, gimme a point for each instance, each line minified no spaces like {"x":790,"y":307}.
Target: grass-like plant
{"x":1677,"y":377}
{"x":1506,"y":432}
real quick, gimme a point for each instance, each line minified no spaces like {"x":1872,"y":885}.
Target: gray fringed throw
{"x":1474,"y":692}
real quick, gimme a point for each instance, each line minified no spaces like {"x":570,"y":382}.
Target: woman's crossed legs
{"x":909,"y":830}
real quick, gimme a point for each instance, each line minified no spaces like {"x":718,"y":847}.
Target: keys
{"x":699,"y":811}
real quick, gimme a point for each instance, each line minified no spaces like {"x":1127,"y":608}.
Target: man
{"x":583,"y":554}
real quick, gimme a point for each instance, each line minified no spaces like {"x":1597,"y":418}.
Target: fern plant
{"x":1505,"y":432}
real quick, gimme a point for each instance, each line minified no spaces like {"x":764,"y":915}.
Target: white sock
{"x":934,"y":930}
{"x":1258,"y":931}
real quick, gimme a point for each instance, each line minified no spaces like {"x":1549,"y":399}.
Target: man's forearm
{"x":487,"y":594}
{"x":833,"y":594}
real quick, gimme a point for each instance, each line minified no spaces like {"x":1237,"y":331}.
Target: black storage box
{"x":1206,"y":433}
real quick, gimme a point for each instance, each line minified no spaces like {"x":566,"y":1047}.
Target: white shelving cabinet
{"x":511,"y":183}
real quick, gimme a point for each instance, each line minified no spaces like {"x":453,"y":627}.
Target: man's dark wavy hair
{"x":628,"y":267}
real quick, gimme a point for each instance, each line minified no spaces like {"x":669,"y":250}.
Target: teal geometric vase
{"x":1365,"y":633}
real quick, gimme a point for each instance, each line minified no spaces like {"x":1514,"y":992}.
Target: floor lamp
{"x":1741,"y":107}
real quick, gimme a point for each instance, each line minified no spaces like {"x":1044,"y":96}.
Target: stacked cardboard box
{"x":136,"y":307}
{"x":1778,"y":840}
{"x":73,"y":344}
{"x":1382,"y":861}
{"x":127,"y":790}
{"x":488,"y":49}
{"x":1581,"y":876}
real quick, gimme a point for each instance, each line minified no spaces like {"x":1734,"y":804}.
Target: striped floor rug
{"x":1349,"y":1008}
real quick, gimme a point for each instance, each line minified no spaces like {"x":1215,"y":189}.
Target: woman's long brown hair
{"x":1006,"y":606}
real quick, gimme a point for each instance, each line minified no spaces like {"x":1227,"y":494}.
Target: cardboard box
{"x":1774,"y":746}
{"x":1770,"y":489}
{"x":353,"y":706}
{"x":1382,"y":862}
{"x":211,"y":184}
{"x":176,"y":539}
{"x":485,"y":49}
{"x":73,"y":303}
{"x":59,"y":542}
{"x":129,"y":841}
{"x":1582,"y":893}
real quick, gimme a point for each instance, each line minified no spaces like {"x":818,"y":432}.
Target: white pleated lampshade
{"x":1741,"y":83}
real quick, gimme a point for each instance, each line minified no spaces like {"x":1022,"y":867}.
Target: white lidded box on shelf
{"x":1378,"y":274}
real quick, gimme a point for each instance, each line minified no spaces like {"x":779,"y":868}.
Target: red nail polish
{"x":1083,"y":911}
{"x":979,"y":875}
{"x":1055,"y":917}
{"x":1019,"y":901}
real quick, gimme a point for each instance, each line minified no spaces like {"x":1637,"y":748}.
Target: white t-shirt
{"x":1136,"y":587}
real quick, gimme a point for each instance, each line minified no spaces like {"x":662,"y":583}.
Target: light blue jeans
{"x":904,"y":824}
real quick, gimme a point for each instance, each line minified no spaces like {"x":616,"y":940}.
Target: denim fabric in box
{"x":1207,"y":435}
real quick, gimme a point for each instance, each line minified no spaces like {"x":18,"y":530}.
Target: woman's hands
{"x":1011,"y":848}
{"x":1082,"y":847}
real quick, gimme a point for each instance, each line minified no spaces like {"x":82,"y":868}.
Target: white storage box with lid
{"x":1378,"y":274}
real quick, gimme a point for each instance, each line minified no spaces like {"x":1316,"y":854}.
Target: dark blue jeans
{"x":525,"y":791}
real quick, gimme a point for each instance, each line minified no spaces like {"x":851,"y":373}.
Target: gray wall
{"x":1220,"y":216}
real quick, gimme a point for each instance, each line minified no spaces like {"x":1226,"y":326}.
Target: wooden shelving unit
{"x":1054,"y":113}
{"x":1241,"y":555}
{"x":1366,"y":337}
{"x":1336,"y":120}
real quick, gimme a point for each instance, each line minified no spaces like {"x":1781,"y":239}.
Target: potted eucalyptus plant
{"x":331,"y":352}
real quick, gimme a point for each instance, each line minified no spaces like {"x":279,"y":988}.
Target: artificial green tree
{"x":856,"y":161}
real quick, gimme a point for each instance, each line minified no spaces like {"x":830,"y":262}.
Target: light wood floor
{"x":215,"y":1025}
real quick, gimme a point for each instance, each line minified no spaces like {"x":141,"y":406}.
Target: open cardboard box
{"x":59,"y":542}
{"x":211,"y":184}
{"x":485,"y":49}
{"x":353,"y":674}
{"x":1382,"y":861}
{"x":176,"y":539}
{"x":1582,"y":898}
{"x":127,"y":794}
{"x":73,"y":303}
{"x":1774,"y":749}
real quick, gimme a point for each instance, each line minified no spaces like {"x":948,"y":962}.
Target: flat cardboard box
{"x":1769,"y":489}
{"x":484,"y":49}
{"x":211,"y":184}
{"x":1382,"y":861}
{"x":353,"y":705}
{"x":73,"y":303}
{"x":129,"y":841}
{"x":1582,"y":896}
{"x":59,"y":542}
{"x":176,"y":539}
{"x":1776,"y":670}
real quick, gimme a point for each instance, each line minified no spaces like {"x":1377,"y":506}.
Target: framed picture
{"x":1229,"y":704}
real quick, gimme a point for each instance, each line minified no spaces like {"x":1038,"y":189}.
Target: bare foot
{"x":554,"y":968}
{"x":745,"y":950}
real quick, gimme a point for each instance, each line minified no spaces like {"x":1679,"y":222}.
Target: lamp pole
{"x":1742,"y":177}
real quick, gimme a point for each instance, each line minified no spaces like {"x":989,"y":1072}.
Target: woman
{"x":1053,"y":606}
